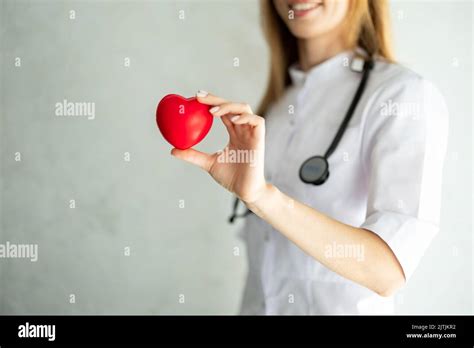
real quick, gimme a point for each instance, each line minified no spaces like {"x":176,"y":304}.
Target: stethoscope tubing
{"x":368,"y":66}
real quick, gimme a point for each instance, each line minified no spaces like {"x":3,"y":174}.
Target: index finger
{"x":209,"y":99}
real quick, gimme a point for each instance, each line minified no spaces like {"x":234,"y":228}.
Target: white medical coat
{"x":385,"y":176}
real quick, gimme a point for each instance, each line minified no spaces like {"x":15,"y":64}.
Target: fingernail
{"x":201,"y":93}
{"x":214,"y":109}
{"x":234,"y":118}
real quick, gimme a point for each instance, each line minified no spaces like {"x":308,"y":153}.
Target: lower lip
{"x":303,"y":13}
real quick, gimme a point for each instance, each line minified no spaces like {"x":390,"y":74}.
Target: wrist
{"x":263,"y":200}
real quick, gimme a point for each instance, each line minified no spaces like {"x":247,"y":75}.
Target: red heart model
{"x":183,"y":122}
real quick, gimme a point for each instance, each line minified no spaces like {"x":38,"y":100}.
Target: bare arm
{"x":314,"y":232}
{"x":378,"y":269}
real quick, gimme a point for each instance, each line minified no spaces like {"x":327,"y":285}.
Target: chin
{"x":304,"y":30}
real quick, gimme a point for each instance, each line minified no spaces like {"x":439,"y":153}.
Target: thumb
{"x":198,"y":158}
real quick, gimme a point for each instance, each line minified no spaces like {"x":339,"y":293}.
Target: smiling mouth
{"x":303,"y":8}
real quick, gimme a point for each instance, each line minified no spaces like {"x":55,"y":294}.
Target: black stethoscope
{"x":315,"y":170}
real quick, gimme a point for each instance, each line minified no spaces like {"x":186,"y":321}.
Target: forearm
{"x":378,"y":269}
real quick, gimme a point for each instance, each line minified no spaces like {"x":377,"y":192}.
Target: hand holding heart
{"x":246,"y":132}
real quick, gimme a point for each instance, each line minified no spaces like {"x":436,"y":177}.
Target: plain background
{"x":188,"y":253}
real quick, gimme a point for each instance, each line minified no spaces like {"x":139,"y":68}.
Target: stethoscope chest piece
{"x":315,"y":170}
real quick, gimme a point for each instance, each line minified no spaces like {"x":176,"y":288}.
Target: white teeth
{"x":304,"y":6}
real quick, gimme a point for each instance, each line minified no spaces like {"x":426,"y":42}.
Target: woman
{"x":348,"y":244}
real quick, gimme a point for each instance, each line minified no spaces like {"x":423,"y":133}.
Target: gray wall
{"x":136,"y":204}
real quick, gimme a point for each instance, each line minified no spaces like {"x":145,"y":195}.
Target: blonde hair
{"x":367,"y":25}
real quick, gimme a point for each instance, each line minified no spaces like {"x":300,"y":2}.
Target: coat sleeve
{"x":405,"y":140}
